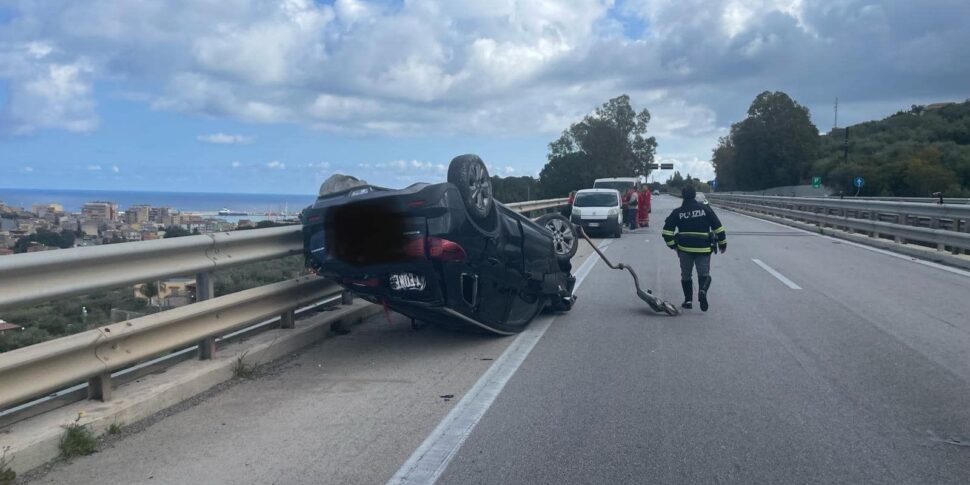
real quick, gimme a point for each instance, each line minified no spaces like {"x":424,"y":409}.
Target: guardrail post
{"x":874,"y":216}
{"x":99,"y":387}
{"x":288,"y":320}
{"x":346,"y":297}
{"x":204,"y":290}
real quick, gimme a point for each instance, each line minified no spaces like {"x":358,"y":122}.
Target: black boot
{"x":688,"y":286}
{"x":704,"y":284}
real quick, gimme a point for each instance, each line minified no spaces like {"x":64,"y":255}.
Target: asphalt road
{"x":858,"y":376}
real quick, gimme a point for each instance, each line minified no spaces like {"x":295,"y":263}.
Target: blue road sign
{"x":858,"y":182}
{"x":714,"y":184}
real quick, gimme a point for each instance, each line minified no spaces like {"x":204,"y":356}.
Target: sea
{"x":203,"y":202}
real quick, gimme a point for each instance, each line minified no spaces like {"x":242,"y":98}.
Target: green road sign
{"x":654,"y":166}
{"x":666,"y":166}
{"x":816,"y":182}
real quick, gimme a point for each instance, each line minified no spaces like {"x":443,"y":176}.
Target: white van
{"x":621,"y":184}
{"x":598,"y":210}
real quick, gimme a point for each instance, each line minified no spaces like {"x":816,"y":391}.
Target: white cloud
{"x":226,"y":139}
{"x":276,"y":164}
{"x":471,"y":67}
{"x":115,"y":169}
{"x":27,"y":169}
{"x":235,"y":164}
{"x":44,"y":92}
{"x":94,"y":168}
{"x":508,"y":170}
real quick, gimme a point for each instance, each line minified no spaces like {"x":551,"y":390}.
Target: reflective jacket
{"x":689,"y":228}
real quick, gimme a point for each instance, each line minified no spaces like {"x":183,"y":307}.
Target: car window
{"x":596,"y":199}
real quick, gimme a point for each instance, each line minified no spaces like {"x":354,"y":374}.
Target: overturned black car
{"x":445,"y":253}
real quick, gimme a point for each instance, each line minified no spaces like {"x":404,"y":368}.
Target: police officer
{"x":694,"y":223}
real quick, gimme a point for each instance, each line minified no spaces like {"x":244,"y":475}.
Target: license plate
{"x":408,"y":282}
{"x":594,"y":224}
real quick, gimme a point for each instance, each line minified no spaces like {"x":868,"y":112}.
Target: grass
{"x":114,"y":429}
{"x":7,"y":475}
{"x":242,"y":370}
{"x":77,"y":440}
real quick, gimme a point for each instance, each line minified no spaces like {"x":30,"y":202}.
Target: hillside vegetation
{"x":911,"y":153}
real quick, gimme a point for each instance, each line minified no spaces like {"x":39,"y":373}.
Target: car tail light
{"x":445,"y":250}
{"x":416,"y":203}
{"x":415,"y":248}
{"x":435,"y":248}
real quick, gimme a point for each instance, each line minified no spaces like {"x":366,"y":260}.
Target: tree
{"x":176,"y":231}
{"x":565,"y":173}
{"x":151,"y":290}
{"x":514,"y":189}
{"x":611,"y":142}
{"x":64,"y":239}
{"x":774,"y":146}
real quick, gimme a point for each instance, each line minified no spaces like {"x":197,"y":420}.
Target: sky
{"x":274,"y":96}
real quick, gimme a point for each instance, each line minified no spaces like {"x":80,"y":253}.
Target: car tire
{"x":470,"y":175}
{"x":618,"y":233}
{"x":564,"y":236}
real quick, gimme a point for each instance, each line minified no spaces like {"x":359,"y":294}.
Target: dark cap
{"x":688,"y":193}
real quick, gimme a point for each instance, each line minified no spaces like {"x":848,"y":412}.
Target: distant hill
{"x":909,"y":154}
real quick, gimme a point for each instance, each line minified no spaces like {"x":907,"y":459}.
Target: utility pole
{"x":835,"y":124}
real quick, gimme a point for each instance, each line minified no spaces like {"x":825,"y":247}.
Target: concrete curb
{"x":920,"y":252}
{"x":34,"y":441}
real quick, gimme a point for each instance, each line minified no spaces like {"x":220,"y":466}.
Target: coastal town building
{"x":101,"y":211}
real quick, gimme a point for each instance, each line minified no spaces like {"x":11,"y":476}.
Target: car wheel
{"x":469,"y":174}
{"x":618,"y":233}
{"x":563,"y":235}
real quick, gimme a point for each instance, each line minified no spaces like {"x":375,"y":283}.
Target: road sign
{"x":653,"y":166}
{"x":666,"y":166}
{"x":858,"y":182}
{"x":816,"y":182}
{"x":714,"y":184}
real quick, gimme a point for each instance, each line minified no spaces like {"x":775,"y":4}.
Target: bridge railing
{"x":92,"y":356}
{"x":943,"y":226}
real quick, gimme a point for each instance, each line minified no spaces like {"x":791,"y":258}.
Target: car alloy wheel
{"x":480,"y":188}
{"x":562,"y":235}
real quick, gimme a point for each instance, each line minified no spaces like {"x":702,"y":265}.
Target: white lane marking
{"x":791,"y":284}
{"x":430,"y":460}
{"x":906,"y":257}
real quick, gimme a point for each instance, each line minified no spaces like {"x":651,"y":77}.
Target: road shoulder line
{"x":431,"y":458}
{"x":789,"y":283}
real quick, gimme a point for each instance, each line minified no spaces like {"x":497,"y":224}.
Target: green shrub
{"x":77,"y":440}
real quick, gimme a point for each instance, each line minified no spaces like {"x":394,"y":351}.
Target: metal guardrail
{"x":948,"y":224}
{"x":38,"y":369}
{"x":30,"y":277}
{"x":534,"y":205}
{"x":923,"y":200}
{"x":92,"y":355}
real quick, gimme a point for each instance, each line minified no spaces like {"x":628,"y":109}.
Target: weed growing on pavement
{"x":114,"y":429}
{"x":7,"y":475}
{"x":77,"y":440}
{"x":243,"y":370}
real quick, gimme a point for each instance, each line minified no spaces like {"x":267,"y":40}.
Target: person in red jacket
{"x":643,"y":206}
